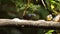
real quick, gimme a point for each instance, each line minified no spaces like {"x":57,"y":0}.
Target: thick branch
{"x":29,"y":22}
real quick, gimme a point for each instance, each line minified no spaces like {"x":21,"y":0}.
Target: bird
{"x":49,"y":17}
{"x":57,"y":18}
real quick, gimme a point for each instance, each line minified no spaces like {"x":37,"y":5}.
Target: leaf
{"x":53,"y":2}
{"x":52,"y":6}
{"x":51,"y":31}
{"x":48,"y":33}
{"x":55,"y":12}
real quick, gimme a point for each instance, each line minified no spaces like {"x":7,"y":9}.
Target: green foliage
{"x":50,"y":32}
{"x":19,"y":6}
{"x":53,"y":5}
{"x":16,"y":8}
{"x":43,"y":12}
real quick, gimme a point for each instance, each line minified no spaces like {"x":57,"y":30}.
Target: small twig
{"x":26,"y":7}
{"x":43,"y":3}
{"x":25,"y":10}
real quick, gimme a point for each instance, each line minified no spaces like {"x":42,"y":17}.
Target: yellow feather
{"x":49,"y":17}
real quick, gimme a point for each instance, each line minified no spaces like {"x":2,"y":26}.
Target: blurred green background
{"x":25,"y":9}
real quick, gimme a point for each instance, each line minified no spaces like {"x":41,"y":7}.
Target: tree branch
{"x":29,"y":22}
